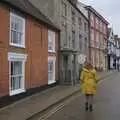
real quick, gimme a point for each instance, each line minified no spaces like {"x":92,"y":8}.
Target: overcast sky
{"x":110,"y":9}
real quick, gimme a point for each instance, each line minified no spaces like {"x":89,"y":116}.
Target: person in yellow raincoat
{"x":89,"y":80}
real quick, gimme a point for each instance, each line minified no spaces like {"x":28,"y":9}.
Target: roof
{"x":82,"y":8}
{"x":75,"y":6}
{"x":97,"y":14}
{"x":26,"y":7}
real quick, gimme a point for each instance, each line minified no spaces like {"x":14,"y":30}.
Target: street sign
{"x":81,"y":58}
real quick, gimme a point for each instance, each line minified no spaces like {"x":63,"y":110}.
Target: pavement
{"x":29,"y":106}
{"x":106,"y":103}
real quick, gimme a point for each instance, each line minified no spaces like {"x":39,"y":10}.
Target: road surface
{"x":106,"y":103}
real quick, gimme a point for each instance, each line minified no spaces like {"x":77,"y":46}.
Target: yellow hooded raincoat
{"x":89,"y":80}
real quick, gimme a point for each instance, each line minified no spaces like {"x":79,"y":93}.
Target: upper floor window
{"x":85,"y":27}
{"x":64,"y":9}
{"x":17,"y":30}
{"x":85,"y":43}
{"x":92,"y":34}
{"x":101,"y":40}
{"x":80,"y":42}
{"x":92,"y":19}
{"x":51,"y":41}
{"x":104,"y":29}
{"x":97,"y":23}
{"x":97,"y":37}
{"x":73,"y":17}
{"x":73,"y":39}
{"x":80,"y":23}
{"x":101,"y":26}
{"x":64,"y":35}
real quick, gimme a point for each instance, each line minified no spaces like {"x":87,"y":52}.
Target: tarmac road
{"x":106,"y":103}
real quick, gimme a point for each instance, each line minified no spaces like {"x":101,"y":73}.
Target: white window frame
{"x":50,"y":58}
{"x":23,"y":31}
{"x":51,"y":34}
{"x":12,"y":57}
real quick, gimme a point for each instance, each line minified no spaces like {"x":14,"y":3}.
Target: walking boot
{"x":91,"y":108}
{"x":86,"y":106}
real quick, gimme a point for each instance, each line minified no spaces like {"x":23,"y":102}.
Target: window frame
{"x":22,"y":45}
{"x":13,"y":57}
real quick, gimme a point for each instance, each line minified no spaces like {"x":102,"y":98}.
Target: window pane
{"x":20,"y":25}
{"x":16,"y":75}
{"x":50,"y":69}
{"x":80,"y":23}
{"x":50,"y":46}
{"x":51,"y":40}
{"x":73,"y":39}
{"x":19,"y":38}
{"x":12,"y":68}
{"x":12,"y":25}
{"x":12,"y":83}
{"x":50,"y":65}
{"x":16,"y":83}
{"x":17,"y":30}
{"x":80,"y":42}
{"x":14,"y":37}
{"x":64,"y":9}
{"x":73,"y":17}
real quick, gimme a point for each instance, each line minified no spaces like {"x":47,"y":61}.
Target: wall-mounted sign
{"x":81,"y":58}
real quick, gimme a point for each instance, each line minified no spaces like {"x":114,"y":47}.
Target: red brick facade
{"x":36,"y":48}
{"x":98,"y":28}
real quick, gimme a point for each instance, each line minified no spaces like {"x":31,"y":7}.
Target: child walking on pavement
{"x":89,"y":81}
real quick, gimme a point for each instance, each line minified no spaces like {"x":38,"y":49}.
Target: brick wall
{"x":36,"y":67}
{"x":4,"y":36}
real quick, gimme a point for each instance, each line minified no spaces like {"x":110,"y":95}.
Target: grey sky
{"x":109,"y":9}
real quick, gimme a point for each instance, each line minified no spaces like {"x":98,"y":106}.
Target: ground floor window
{"x":16,"y":73}
{"x":51,"y":70}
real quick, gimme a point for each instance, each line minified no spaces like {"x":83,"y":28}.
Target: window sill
{"x":15,"y":92}
{"x":16,"y":45}
{"x":50,"y":51}
{"x":51,"y":82}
